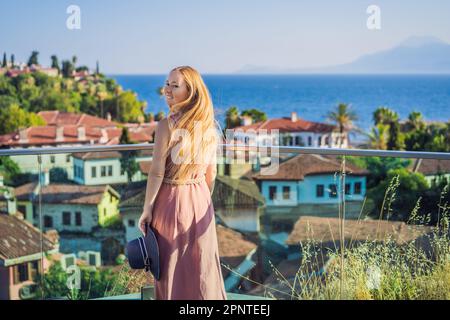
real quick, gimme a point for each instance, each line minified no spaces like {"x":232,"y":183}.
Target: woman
{"x":178,"y":202}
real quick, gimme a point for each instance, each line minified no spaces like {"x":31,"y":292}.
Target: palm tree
{"x":384,"y":115}
{"x":415,"y":121}
{"x":379,"y":137}
{"x":343,"y":117}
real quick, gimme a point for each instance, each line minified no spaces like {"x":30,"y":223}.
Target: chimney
{"x":104,"y":137}
{"x":294,"y":117}
{"x":23,"y":135}
{"x":247,"y":120}
{"x":59,"y":133}
{"x":81,"y":133}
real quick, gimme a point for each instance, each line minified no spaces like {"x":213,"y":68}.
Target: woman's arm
{"x":157,"y":170}
{"x":211,"y":171}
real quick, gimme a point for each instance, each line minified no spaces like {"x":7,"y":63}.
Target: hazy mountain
{"x":414,"y":55}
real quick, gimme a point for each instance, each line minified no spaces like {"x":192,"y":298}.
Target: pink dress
{"x":184,"y":225}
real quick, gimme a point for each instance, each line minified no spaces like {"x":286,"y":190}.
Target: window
{"x":48,"y":222}
{"x":347,"y":188}
{"x":327,"y":141}
{"x":66,"y":218}
{"x":298,"y":141}
{"x":21,"y":273}
{"x":110,"y":172}
{"x":272,"y":192}
{"x":333,"y":191}
{"x":286,"y":192}
{"x":93,"y":172}
{"x":319,"y":141}
{"x":52,"y":159}
{"x":131,"y":223}
{"x":34,"y":270}
{"x":103,"y":171}
{"x":320,"y":190}
{"x":309,"y":141}
{"x":357,"y":188}
{"x":78,"y":220}
{"x":68,"y":158}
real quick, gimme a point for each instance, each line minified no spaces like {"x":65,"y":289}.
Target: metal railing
{"x":236,"y":147}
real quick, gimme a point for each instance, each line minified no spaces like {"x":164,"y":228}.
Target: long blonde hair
{"x":195,"y":116}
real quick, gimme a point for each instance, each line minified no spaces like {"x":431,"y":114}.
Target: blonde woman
{"x":178,"y":203}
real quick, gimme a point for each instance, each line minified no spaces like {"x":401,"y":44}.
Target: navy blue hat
{"x":143,"y":253}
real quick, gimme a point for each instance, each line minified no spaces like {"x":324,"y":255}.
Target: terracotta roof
{"x":19,"y":238}
{"x":65,"y":193}
{"x":430,"y":166}
{"x":59,"y":118}
{"x":97,"y":155}
{"x":233,"y":247}
{"x":239,"y":192}
{"x":47,"y":135}
{"x":326,"y":230}
{"x":287,"y":125}
{"x":299,"y":166}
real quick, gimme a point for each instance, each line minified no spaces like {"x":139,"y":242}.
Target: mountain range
{"x":416,"y":55}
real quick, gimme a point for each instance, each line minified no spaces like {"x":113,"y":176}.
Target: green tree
{"x":255,"y":114}
{"x":343,"y":117}
{"x":55,"y":63}
{"x":33,"y":58}
{"x":232,"y":119}
{"x":67,"y":68}
{"x":398,"y":202}
{"x":128,"y":162}
{"x":396,"y":139}
{"x":415,"y":121}
{"x":9,"y":170}
{"x":13,"y":118}
{"x":4,"y":63}
{"x":384,"y":115}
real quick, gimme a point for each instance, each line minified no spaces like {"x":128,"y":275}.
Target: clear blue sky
{"x":142,"y":36}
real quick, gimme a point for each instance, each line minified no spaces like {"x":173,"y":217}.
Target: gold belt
{"x":186,"y":181}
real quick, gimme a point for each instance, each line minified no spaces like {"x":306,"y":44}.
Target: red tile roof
{"x":59,"y":118}
{"x":19,"y":238}
{"x":287,"y":125}
{"x":430,"y":166}
{"x":326,"y":230}
{"x":47,"y":135}
{"x":299,"y":166}
{"x":233,"y":247}
{"x":65,"y":193}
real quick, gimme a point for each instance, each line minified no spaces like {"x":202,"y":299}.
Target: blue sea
{"x":312,"y":96}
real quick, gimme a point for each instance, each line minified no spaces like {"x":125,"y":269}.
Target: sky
{"x":151,"y":37}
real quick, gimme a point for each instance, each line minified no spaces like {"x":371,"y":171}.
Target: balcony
{"x":292,"y":222}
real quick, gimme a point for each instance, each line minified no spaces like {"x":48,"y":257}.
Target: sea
{"x":312,"y":96}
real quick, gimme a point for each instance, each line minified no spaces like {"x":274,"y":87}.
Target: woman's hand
{"x":146,"y":218}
